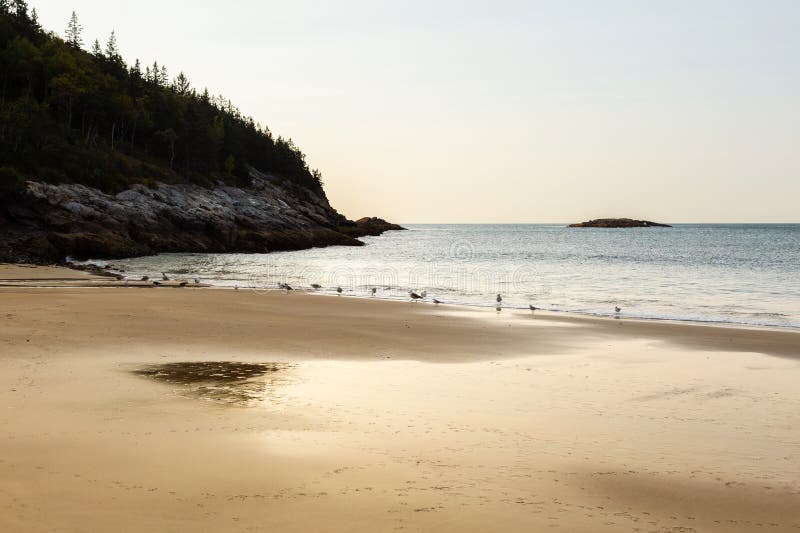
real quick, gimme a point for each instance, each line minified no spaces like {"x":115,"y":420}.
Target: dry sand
{"x":218,"y":410}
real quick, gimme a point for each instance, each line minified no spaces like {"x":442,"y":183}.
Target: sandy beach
{"x":200,"y":409}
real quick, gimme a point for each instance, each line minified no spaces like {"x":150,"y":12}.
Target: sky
{"x":501,"y":111}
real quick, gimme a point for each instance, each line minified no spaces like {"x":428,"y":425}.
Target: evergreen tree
{"x":74,"y":30}
{"x":96,"y":50}
{"x":163,"y":78}
{"x":112,"y":52}
{"x":181,"y":84}
{"x":35,"y":20}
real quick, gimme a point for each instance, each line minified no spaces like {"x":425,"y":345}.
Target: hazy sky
{"x":501,"y":111}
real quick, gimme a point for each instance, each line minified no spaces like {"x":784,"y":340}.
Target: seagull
{"x":374,"y":290}
{"x":156,"y":284}
{"x":533,"y":308}
{"x":339,"y":290}
{"x":424,"y":294}
{"x":126,"y":281}
{"x":617,"y":309}
{"x":287,"y":287}
{"x":164,"y":277}
{"x":437,"y":302}
{"x":236,"y":287}
{"x":316,"y":286}
{"x":197,"y":281}
{"x":183,"y":283}
{"x":145,"y":278}
{"x":414,"y":296}
{"x":499,"y":299}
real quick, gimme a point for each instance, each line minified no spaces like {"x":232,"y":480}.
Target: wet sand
{"x":133,"y":409}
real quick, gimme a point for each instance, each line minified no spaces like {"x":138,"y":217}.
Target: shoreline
{"x":104,"y":279}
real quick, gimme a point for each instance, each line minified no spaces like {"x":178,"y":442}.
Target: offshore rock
{"x":619,"y":223}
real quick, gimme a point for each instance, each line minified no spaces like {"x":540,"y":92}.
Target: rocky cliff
{"x":47,"y":222}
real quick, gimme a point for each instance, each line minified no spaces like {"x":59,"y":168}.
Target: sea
{"x":747,"y":274}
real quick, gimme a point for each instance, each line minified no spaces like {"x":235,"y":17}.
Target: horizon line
{"x":568,"y":223}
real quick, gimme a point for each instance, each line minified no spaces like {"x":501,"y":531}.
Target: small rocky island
{"x":619,"y":223}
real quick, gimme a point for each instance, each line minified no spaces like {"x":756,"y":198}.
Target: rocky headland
{"x":44,"y":222}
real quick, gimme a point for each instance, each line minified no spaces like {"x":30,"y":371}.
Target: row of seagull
{"x":316,"y":286}
{"x":156,"y":283}
{"x":499,"y":300}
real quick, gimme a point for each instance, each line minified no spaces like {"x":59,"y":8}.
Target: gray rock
{"x":46,"y":222}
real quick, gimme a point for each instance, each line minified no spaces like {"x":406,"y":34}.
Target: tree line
{"x":72,"y":115}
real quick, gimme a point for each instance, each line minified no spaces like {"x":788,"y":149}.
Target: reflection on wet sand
{"x":228,"y":382}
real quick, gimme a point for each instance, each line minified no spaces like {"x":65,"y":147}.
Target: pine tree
{"x":136,"y":69}
{"x":112,"y":52}
{"x":182,"y":84}
{"x":74,"y":30}
{"x":35,"y":19}
{"x":96,"y":50}
{"x":163,"y":78}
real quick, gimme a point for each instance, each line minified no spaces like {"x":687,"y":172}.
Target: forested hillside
{"x":100,"y":158}
{"x":68,"y":115}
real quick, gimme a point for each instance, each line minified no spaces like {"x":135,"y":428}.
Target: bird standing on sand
{"x":126,"y":281}
{"x":316,"y":286}
{"x":183,"y":283}
{"x":437,"y":302}
{"x":197,"y":281}
{"x":617,"y":309}
{"x":499,"y":299}
{"x":533,"y":308}
{"x":424,"y":294}
{"x":145,"y":278}
{"x":339,"y":290}
{"x":374,"y":290}
{"x":236,"y":287}
{"x":164,"y":277}
{"x":414,"y":296}
{"x":156,"y":284}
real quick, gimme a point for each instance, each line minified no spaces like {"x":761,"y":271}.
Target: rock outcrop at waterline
{"x":619,"y":223}
{"x":46,"y":222}
{"x":369,"y":226}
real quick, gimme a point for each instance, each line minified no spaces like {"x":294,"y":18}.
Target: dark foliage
{"x":67,"y":115}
